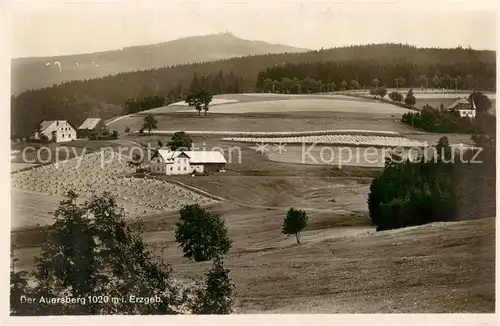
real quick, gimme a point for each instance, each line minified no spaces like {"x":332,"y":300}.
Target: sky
{"x":51,"y":28}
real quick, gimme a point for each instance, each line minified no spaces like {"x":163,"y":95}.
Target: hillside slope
{"x":33,"y":73}
{"x":237,"y":75}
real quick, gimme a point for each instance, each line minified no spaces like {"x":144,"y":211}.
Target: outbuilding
{"x":91,"y":126}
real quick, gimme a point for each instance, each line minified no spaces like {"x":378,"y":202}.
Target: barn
{"x":91,"y":126}
{"x":168,"y":162}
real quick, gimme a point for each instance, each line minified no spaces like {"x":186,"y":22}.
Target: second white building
{"x":168,"y":162}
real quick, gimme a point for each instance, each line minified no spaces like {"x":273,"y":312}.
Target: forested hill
{"x":33,"y":73}
{"x":106,"y":97}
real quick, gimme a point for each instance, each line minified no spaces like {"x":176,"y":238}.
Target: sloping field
{"x":321,"y":193}
{"x":223,"y":99}
{"x":342,"y":264}
{"x":437,"y":268}
{"x":333,"y":105}
{"x":267,"y":122}
{"x":346,"y":268}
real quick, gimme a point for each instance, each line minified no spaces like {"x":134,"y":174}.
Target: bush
{"x":396,"y":96}
{"x":42,"y":140}
{"x":114,"y":135}
{"x":201,"y":234}
{"x":295,"y":221}
{"x":379,"y":91}
{"x":410,"y":98}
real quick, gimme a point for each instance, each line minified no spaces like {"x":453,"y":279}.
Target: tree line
{"x":106,"y":97}
{"x":308,"y":77}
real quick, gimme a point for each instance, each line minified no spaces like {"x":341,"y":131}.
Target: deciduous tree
{"x":180,"y":140}
{"x":295,"y":222}
{"x":201,"y":234}
{"x":150,"y":123}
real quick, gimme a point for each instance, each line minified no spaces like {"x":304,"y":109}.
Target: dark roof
{"x":461,"y":104}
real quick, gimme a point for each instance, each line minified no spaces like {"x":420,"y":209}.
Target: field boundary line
{"x":200,"y":191}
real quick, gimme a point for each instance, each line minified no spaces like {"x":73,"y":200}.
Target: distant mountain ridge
{"x":39,"y":72}
{"x":108,"y":96}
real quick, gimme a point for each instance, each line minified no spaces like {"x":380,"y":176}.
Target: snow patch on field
{"x":334,"y":139}
{"x":324,"y":104}
{"x":278,"y":133}
{"x":215,"y":101}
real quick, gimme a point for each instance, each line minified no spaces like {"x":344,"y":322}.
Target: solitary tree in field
{"x":194,"y":100}
{"x":150,"y":123}
{"x":216,"y":296}
{"x":180,"y":140}
{"x":206,"y":98}
{"x":199,"y":99}
{"x":201,"y":234}
{"x":294,"y":222}
{"x":410,"y":98}
{"x":127,"y":130}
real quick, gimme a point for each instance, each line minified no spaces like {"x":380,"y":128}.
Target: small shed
{"x":91,"y":126}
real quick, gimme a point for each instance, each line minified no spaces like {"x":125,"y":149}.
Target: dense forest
{"x":332,"y":76}
{"x":447,"y":186}
{"x":106,"y":97}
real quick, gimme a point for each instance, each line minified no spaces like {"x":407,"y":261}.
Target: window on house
{"x":185,"y":168}
{"x":178,"y":168}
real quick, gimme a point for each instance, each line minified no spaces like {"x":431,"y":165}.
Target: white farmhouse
{"x":464,"y":108}
{"x":168,"y":162}
{"x":56,"y":130}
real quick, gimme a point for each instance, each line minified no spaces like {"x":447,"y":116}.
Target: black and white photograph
{"x":247,"y":158}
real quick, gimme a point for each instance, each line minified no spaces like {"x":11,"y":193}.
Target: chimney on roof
{"x":57,"y":122}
